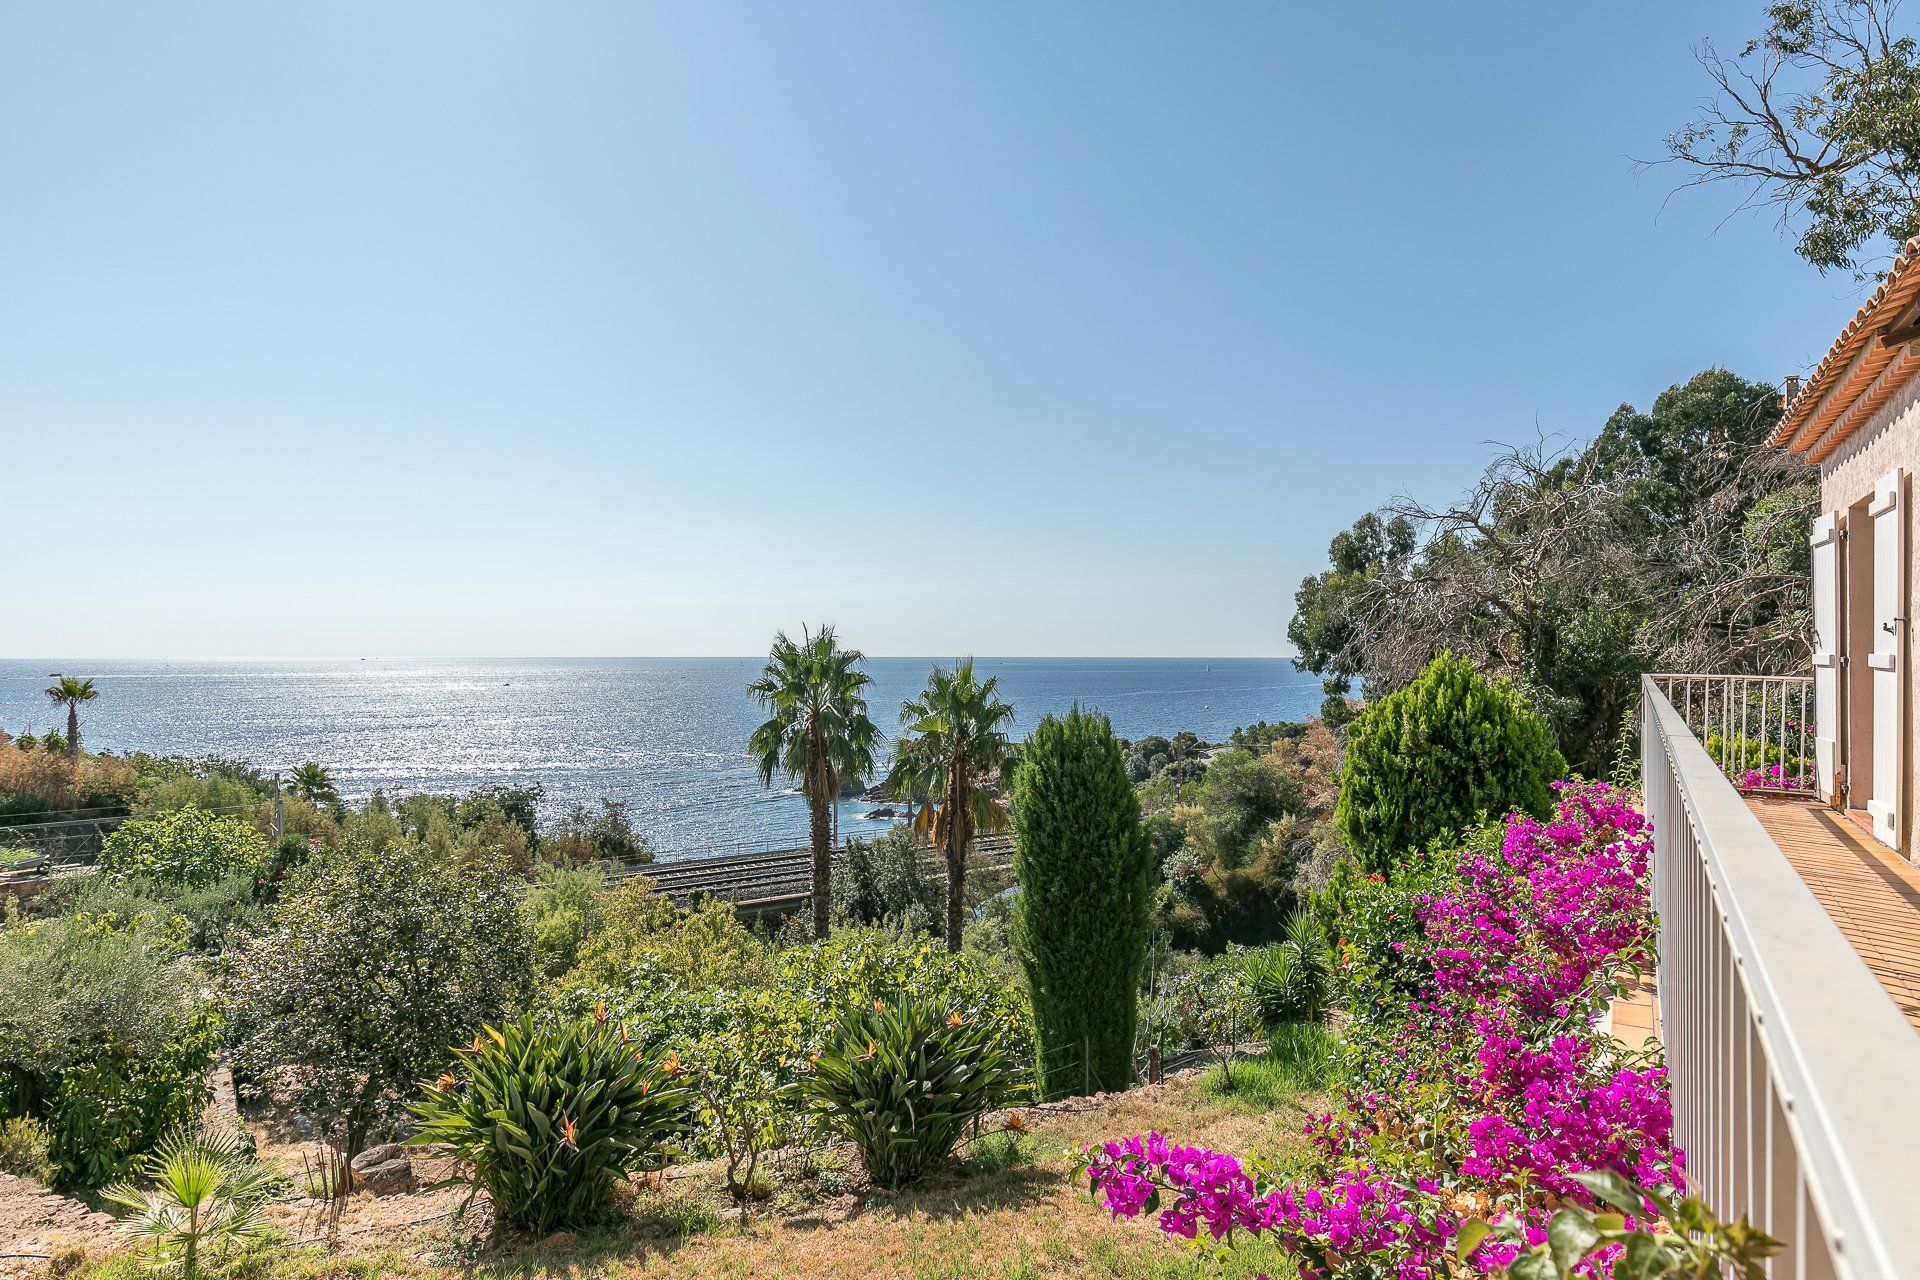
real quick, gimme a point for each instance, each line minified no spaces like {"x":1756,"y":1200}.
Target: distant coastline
{"x":665,"y":735}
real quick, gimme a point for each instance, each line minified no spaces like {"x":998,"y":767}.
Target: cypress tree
{"x":1086,"y":891}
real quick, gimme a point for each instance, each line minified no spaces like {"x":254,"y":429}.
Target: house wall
{"x":1891,"y":438}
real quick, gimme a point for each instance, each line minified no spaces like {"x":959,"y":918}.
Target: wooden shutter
{"x":1826,"y":652}
{"x":1888,"y":659}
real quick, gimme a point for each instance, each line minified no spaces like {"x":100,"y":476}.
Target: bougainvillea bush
{"x":1481,"y":1088}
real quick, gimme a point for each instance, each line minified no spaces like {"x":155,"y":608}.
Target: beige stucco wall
{"x":1891,"y":438}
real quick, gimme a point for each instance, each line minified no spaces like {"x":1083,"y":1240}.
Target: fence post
{"x":279,"y":811}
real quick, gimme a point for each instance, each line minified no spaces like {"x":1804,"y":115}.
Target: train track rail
{"x":774,"y":877}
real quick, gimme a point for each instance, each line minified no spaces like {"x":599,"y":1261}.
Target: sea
{"x":666,"y":736}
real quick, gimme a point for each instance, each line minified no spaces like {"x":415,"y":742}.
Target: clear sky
{"x":470,"y":329}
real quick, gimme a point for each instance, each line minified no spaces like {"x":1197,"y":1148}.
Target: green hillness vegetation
{"x":412,"y":991}
{"x":460,"y":1045}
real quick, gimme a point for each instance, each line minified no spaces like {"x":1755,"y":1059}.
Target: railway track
{"x":775,"y":877}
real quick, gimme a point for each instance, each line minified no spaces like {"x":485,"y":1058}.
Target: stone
{"x":385,"y":1170}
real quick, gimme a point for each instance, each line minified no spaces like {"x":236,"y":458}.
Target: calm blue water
{"x":666,"y":735}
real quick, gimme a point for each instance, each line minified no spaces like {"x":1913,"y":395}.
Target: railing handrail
{"x":1846,"y":1060}
{"x":1717,"y":675}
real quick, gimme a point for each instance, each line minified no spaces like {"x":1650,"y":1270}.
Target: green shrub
{"x":105,"y":1038}
{"x":367,"y":972}
{"x":563,"y":910}
{"x":1291,"y":980}
{"x":203,"y":917}
{"x":905,"y":1079}
{"x":582,"y":835}
{"x":639,"y":930}
{"x":1086,"y":899}
{"x":1448,"y":751}
{"x":745,"y":1044}
{"x":548,"y":1117}
{"x":185,"y":847}
{"x":24,"y":1149}
{"x":883,"y":882}
{"x":1742,"y":752}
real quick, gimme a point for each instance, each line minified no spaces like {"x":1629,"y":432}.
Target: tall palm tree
{"x":954,"y":743}
{"x":817,"y":733}
{"x":70,"y":693}
{"x":312,"y":783}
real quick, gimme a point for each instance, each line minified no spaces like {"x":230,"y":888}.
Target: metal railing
{"x":1750,"y":725}
{"x":1792,"y":1069}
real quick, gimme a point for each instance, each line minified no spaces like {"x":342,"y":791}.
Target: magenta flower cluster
{"x":1775,"y":777}
{"x":1354,"y":1213}
{"x":1508,"y":1076}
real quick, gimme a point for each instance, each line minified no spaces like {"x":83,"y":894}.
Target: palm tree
{"x":70,"y":693}
{"x":207,"y":1195}
{"x":817,"y":732}
{"x":313,"y":784}
{"x":955,"y":742}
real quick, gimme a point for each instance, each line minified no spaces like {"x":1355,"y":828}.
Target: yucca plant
{"x":208,"y":1195}
{"x":547,"y":1117}
{"x":1292,"y":979}
{"x":905,"y":1080}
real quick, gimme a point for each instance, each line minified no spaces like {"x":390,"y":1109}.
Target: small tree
{"x":369,"y":974}
{"x":185,"y":847}
{"x":1450,"y":749}
{"x":1086,"y":895}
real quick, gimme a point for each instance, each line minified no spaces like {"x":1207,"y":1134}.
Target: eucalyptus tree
{"x":817,"y":733}
{"x":70,"y":692}
{"x":954,"y":743}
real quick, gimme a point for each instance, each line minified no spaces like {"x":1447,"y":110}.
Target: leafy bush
{"x":203,"y":918}
{"x":24,"y":1149}
{"x":562,"y":911}
{"x":583,"y":835}
{"x":883,"y":882}
{"x":204,"y":1193}
{"x":641,"y":931}
{"x":1450,"y":750}
{"x":104,"y":1038}
{"x":368,"y":972}
{"x":903,"y":1080}
{"x":167,"y":783}
{"x":1212,"y":1009}
{"x":745,"y":1044}
{"x":550,"y":1116}
{"x":185,"y":847}
{"x":1086,"y":899}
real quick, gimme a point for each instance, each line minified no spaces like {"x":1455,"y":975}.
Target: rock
{"x":384,"y":1170}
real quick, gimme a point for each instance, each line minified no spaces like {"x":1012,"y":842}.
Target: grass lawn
{"x":1008,"y":1214}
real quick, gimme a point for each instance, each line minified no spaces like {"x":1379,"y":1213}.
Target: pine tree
{"x":1086,"y":889}
{"x":1450,"y":750}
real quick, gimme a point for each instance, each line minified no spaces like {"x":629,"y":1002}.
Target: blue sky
{"x":412,"y":329}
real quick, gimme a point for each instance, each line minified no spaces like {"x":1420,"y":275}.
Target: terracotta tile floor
{"x":1871,"y":892}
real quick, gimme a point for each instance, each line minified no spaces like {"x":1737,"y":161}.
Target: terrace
{"x":1789,"y":979}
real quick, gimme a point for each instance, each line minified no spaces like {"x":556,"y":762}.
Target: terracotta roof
{"x":1859,"y":373}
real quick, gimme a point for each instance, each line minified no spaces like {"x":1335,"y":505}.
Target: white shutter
{"x":1826,"y":651}
{"x":1888,"y":660}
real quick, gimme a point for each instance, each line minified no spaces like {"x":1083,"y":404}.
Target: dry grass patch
{"x":1007,"y":1213}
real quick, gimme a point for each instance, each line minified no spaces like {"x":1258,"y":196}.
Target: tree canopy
{"x":1817,"y":116}
{"x":1672,"y":540}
